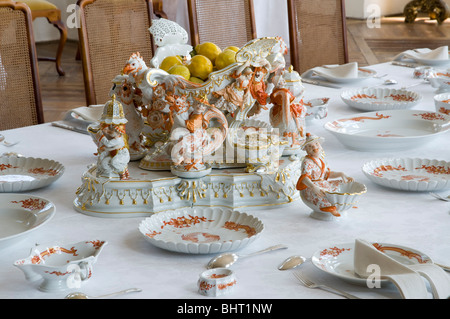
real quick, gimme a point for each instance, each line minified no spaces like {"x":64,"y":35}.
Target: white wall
{"x":360,"y":9}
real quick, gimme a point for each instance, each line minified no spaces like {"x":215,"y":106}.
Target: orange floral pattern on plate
{"x":333,"y":251}
{"x":386,"y":168}
{"x":430,"y":116}
{"x":377,"y":116}
{"x":200,"y":237}
{"x":182,"y":221}
{"x":31,"y":203}
{"x":432,"y":169}
{"x":42,"y":171}
{"x":6,"y":166}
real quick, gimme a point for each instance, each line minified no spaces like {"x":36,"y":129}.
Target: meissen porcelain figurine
{"x":288,"y":112}
{"x":315,"y":177}
{"x":111,"y":139}
{"x":194,"y":140}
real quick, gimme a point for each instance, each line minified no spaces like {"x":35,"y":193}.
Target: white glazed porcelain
{"x":440,"y":79}
{"x":442,"y":103}
{"x":378,"y":99}
{"x":409,"y":174}
{"x":61,"y":267}
{"x":338,"y":260}
{"x":217,"y":282}
{"x":201,"y":230}
{"x":343,"y":199}
{"x":18,"y":174}
{"x":21,"y":214}
{"x":316,"y":109}
{"x":390,"y":130}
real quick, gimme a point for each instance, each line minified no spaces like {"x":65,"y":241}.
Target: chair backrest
{"x":20,"y":96}
{"x":317,"y":33}
{"x":225,"y":23}
{"x":110,"y":31}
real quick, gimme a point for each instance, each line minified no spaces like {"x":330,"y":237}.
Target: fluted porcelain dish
{"x":18,"y":174}
{"x":379,"y":99}
{"x":338,"y":260}
{"x":390,"y":130}
{"x":21,"y":214}
{"x":201,"y":230}
{"x":409,"y":174}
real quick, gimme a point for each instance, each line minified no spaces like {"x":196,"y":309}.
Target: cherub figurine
{"x":233,"y":97}
{"x":315,"y":175}
{"x":111,"y":139}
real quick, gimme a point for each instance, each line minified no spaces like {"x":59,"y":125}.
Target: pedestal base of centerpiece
{"x":147,"y":192}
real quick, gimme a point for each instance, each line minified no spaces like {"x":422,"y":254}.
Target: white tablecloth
{"x":415,"y":220}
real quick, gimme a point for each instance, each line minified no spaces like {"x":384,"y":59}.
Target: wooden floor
{"x":366,"y":46}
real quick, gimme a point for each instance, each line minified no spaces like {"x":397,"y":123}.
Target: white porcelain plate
{"x":378,"y":99}
{"x":18,"y":174}
{"x":21,"y":214}
{"x":201,"y":230}
{"x":338,"y":260}
{"x":409,"y":174}
{"x":363,"y":74}
{"x":390,"y":130}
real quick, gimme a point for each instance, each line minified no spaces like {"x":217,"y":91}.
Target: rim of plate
{"x":36,"y":226}
{"x":328,"y":126}
{"x":347,"y":95}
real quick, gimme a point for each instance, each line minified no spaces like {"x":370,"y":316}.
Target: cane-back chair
{"x":20,"y":97}
{"x":317,"y":33}
{"x":110,"y":31}
{"x":225,"y":23}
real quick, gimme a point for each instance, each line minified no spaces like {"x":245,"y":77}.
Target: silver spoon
{"x":292,"y":262}
{"x":80,"y":295}
{"x":227,"y":259}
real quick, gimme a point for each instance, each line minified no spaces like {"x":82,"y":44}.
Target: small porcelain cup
{"x":442,"y":103}
{"x":316,"y":109}
{"x":422,"y":72}
{"x":217,"y":282}
{"x":440,"y":80}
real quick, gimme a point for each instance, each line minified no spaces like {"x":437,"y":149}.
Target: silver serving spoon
{"x":292,"y":262}
{"x":227,"y":259}
{"x":80,"y":295}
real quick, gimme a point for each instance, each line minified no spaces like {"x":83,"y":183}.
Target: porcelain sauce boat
{"x":61,"y":267}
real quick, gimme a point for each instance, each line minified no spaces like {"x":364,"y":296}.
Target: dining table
{"x":411,"y":219}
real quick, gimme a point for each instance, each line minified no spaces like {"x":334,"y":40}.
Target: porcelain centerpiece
{"x":61,"y":267}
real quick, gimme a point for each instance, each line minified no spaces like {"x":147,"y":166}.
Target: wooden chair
{"x":225,"y":23}
{"x":20,"y":97}
{"x":110,"y":31}
{"x":317,"y":33}
{"x":45,"y":9}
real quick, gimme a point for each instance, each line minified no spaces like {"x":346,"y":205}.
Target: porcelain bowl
{"x":344,"y":198}
{"x":409,"y":174}
{"x":442,"y":103}
{"x":378,"y":99}
{"x":316,"y":109}
{"x":201,"y":230}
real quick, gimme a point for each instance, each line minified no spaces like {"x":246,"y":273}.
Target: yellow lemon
{"x":209,"y":50}
{"x":195,"y":80}
{"x":233,"y":48}
{"x":226,"y":58}
{"x":169,"y":62}
{"x":200,"y":66}
{"x":180,"y":70}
